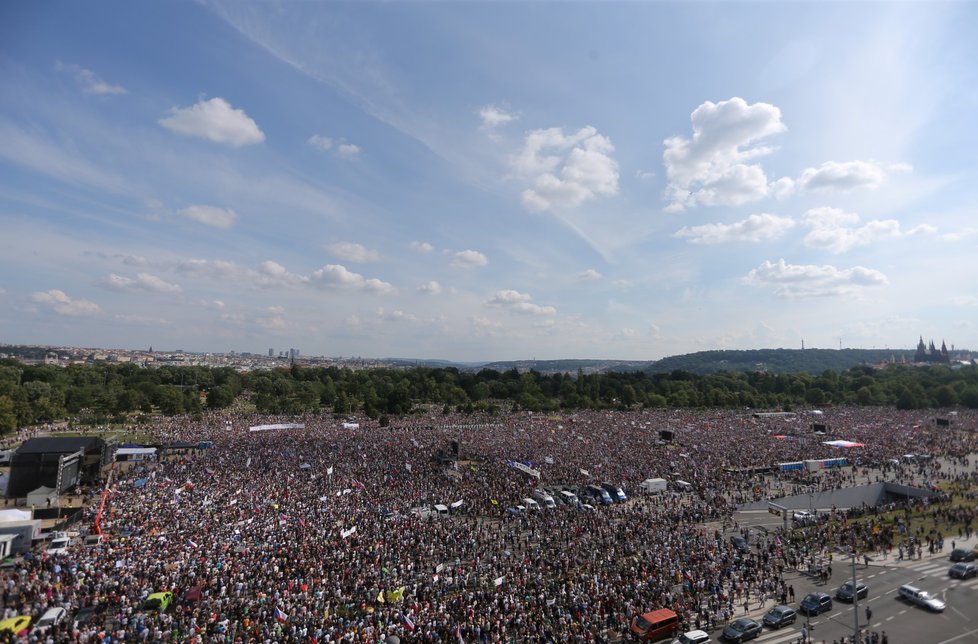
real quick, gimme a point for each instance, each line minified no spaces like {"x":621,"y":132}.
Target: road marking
{"x":890,"y":617}
{"x":902,"y":611}
{"x":966,"y":618}
{"x":778,"y":636}
{"x":957,"y":637}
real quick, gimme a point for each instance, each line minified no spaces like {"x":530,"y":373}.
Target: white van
{"x":51,"y":617}
{"x":683,"y":486}
{"x":569,"y":498}
{"x":531,"y":505}
{"x":544,"y":499}
{"x":442,"y":510}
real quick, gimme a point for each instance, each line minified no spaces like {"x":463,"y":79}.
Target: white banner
{"x":457,"y":504}
{"x":498,"y":581}
{"x":347,"y":533}
{"x":526,"y":469}
{"x":585,"y":473}
{"x":266,"y":428}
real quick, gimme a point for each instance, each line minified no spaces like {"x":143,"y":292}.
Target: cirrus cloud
{"x":214,"y":120}
{"x":89,"y":81}
{"x":210,"y":216}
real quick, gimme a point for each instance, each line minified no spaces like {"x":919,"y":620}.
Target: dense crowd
{"x":312,"y":534}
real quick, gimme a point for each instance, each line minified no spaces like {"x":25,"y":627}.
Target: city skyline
{"x":488,"y":181}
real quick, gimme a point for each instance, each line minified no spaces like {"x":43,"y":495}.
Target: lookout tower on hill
{"x":929,"y":354}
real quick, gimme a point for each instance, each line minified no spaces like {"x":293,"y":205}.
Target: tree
{"x":220,"y":397}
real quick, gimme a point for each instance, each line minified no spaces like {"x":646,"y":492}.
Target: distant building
{"x":930,"y":354}
{"x":271,"y":353}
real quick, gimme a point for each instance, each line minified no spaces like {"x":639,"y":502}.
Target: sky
{"x":488,"y":181}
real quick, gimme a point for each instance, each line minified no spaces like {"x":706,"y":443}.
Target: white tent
{"x":42,"y":497}
{"x":135,"y":453}
{"x":14,"y":515}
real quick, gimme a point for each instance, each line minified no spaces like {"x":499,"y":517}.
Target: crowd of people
{"x":315,"y":534}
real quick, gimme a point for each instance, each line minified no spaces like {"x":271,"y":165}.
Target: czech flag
{"x":408,"y":624}
{"x":280,"y":616}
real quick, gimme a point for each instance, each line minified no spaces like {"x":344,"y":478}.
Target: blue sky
{"x":476,"y":181}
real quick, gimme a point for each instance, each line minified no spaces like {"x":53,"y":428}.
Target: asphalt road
{"x":902,"y":622}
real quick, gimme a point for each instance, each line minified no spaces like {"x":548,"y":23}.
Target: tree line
{"x":104,"y":392}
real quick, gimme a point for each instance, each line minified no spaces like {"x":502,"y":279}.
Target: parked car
{"x":15,"y":626}
{"x":845,"y":591}
{"x":51,"y":616}
{"x":961,"y":554}
{"x":780,"y":616}
{"x":158,"y":601}
{"x":921,"y":598}
{"x":740,"y":543}
{"x":815,"y":603}
{"x":87,"y":614}
{"x":692,"y":637}
{"x":741,"y":630}
{"x":962,"y":570}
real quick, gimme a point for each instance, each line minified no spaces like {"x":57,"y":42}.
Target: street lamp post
{"x":855,"y":602}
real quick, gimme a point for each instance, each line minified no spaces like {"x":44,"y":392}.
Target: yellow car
{"x":158,"y":601}
{"x":15,"y":625}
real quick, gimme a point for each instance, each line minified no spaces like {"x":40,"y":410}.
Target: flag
{"x":358,"y":484}
{"x":329,"y":470}
{"x":408,"y":624}
{"x":191,"y":543}
{"x":280,"y":616}
{"x":498,"y":581}
{"x":380,"y":597}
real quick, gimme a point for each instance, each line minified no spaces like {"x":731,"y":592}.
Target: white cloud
{"x":809,"y":280}
{"x":210,"y":215}
{"x":828,"y":217}
{"x":493,"y":116}
{"x":214,"y":120}
{"x":274,"y":274}
{"x":430,"y":288}
{"x":347,"y":150}
{"x":337,"y":276}
{"x":842,"y":176}
{"x":830,"y":230}
{"x":519,"y":303}
{"x":142,"y":282}
{"x":421,"y":246}
{"x":589,"y":274}
{"x":321,"y":142}
{"x":89,"y":81}
{"x":140,"y":320}
{"x":344,"y":150}
{"x":59,"y":302}
{"x":353,"y":252}
{"x":566,"y":170}
{"x":756,"y":228}
{"x":469,"y":259}
{"x":712,"y":167}
{"x":395,"y":316}
{"x":212,"y":268}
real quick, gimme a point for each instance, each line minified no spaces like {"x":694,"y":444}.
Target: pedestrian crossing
{"x":779,"y":636}
{"x":939,"y":569}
